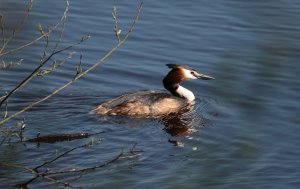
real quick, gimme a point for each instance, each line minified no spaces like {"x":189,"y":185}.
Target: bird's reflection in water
{"x":182,"y":123}
{"x":176,"y":126}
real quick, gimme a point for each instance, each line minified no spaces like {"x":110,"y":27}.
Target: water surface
{"x":249,"y":136}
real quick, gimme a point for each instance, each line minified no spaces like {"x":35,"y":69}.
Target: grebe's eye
{"x":193,"y":73}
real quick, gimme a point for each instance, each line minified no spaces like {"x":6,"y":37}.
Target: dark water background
{"x":251,"y":111}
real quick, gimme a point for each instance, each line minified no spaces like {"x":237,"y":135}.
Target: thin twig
{"x":43,"y":174}
{"x":17,"y":166}
{"x":42,"y":36}
{"x":79,"y":67}
{"x":44,"y":54}
{"x":50,"y":175}
{"x":61,"y":155}
{"x":116,"y":28}
{"x":55,"y":65}
{"x":5,"y":113}
{"x":2,"y":29}
{"x":18,"y":28}
{"x":13,"y":130}
{"x":81,"y":74}
{"x":28,"y":78}
{"x":43,"y":60}
{"x":88,"y":168}
{"x":64,"y":18}
{"x":4,"y":65}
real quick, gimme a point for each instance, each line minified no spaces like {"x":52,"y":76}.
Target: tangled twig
{"x":82,"y":73}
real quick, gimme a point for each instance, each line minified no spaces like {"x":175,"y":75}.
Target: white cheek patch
{"x":188,"y":75}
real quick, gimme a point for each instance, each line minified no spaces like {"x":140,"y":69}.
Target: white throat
{"x":185,"y":93}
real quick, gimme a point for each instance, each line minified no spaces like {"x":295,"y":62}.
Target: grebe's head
{"x":180,"y":73}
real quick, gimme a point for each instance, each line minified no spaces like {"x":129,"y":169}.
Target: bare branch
{"x":55,"y":65}
{"x":7,"y":65}
{"x":51,"y":175}
{"x":61,"y":155}
{"x":17,"y":29}
{"x":28,"y":78}
{"x":81,"y":74}
{"x":64,"y":18}
{"x":88,"y":168}
{"x":43,"y":35}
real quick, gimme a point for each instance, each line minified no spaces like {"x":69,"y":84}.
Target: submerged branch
{"x":50,"y":174}
{"x":61,"y":155}
{"x":88,"y":168}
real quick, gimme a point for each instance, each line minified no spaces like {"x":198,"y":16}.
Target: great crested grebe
{"x":151,"y":104}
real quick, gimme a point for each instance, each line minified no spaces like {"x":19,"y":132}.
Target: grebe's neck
{"x":178,"y":90}
{"x":185,"y":93}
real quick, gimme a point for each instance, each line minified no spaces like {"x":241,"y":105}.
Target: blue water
{"x":248,"y":136}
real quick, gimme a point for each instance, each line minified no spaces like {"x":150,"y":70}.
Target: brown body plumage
{"x":151,"y":104}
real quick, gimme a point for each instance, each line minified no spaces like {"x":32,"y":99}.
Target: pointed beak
{"x":204,"y":77}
